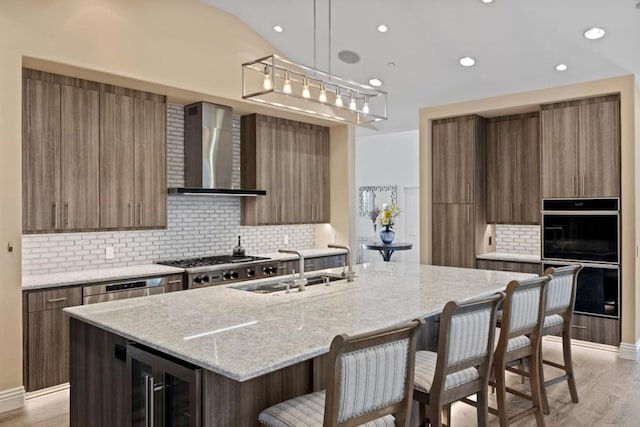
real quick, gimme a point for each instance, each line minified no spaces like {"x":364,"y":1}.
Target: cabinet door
{"x":560,"y":152}
{"x":600,"y":149}
{"x":150,"y":164}
{"x":267,"y":168}
{"x":80,"y":165}
{"x":526,"y":194}
{"x":288,"y":178}
{"x":307,"y":174}
{"x":501,"y":171}
{"x":48,"y":349}
{"x":116,"y":161}
{"x":323,"y":197}
{"x":453,"y":235}
{"x":40,"y":155}
{"x":453,"y":160}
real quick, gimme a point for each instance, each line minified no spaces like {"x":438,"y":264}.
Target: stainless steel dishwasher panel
{"x":123,"y":290}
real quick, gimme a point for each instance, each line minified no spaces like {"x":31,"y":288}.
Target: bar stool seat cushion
{"x":553,"y":320}
{"x":514,"y":343}
{"x":426,"y":368}
{"x":307,"y":411}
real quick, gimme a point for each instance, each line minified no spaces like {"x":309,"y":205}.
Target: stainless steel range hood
{"x":208,"y":152}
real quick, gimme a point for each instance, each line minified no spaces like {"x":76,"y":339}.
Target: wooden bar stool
{"x":369,"y":383}
{"x":519,"y":339}
{"x":462,"y":364}
{"x":561,"y":297}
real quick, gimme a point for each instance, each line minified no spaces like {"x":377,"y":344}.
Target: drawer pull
{"x":578,"y":327}
{"x":57,"y":299}
{"x":174,"y":281}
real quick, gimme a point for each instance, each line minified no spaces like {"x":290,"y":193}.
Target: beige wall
{"x":630,"y":122}
{"x":184,"y":49}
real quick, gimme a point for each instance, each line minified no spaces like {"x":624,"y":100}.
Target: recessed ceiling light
{"x":467,"y":61}
{"x":594,"y":33}
{"x":375,"y":82}
{"x":487,"y":1}
{"x":391,"y":64}
{"x":382,"y":28}
{"x":278,"y":28}
{"x":561,"y":67}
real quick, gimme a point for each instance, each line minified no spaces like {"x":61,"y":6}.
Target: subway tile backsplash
{"x":518,"y":239}
{"x":196,"y":226}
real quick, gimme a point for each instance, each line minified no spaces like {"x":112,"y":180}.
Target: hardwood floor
{"x":609,"y":390}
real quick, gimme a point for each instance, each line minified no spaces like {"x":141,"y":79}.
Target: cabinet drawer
{"x":602,"y":330}
{"x":517,"y":267}
{"x":54,"y":298}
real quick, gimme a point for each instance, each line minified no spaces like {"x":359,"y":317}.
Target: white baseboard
{"x":11,"y":399}
{"x":630,"y":351}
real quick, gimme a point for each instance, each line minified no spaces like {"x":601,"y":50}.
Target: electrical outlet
{"x":108,"y":252}
{"x":286,"y":239}
{"x":333,"y":239}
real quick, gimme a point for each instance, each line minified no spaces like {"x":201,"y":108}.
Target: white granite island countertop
{"x":243,"y":335}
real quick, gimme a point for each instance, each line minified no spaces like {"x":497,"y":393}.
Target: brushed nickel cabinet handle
{"x":582,"y":190}
{"x":57,"y":299}
{"x":54,"y":210}
{"x":66,"y":214}
{"x":468,"y":192}
{"x":174,"y":281}
{"x":578,"y":327}
{"x":130,"y":215}
{"x":139,"y":213}
{"x":468,"y":214}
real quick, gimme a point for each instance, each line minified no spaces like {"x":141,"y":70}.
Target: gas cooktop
{"x":210,"y":261}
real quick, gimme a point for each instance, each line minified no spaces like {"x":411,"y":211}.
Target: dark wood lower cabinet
{"x":518,"y":267}
{"x":601,"y":330}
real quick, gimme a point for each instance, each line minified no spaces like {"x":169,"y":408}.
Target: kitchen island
{"x":254,"y":349}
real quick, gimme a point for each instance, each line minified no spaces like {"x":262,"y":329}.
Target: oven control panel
{"x":234,"y":274}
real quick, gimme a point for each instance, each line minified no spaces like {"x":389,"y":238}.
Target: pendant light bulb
{"x":305,"y":89}
{"x":323,"y":94}
{"x":286,"y":87}
{"x":338,"y":98}
{"x":365,"y":106}
{"x":352,"y":103}
{"x":267,"y":83}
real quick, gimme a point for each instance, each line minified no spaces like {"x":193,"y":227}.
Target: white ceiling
{"x":516,"y":43}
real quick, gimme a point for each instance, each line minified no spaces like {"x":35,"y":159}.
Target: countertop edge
{"x":501,"y":256}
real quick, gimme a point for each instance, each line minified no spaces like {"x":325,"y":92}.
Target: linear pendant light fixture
{"x":286,"y":84}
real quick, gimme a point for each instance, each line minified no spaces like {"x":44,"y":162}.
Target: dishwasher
{"x":123,"y":290}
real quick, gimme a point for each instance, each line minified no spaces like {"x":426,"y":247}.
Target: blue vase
{"x":387,"y":235}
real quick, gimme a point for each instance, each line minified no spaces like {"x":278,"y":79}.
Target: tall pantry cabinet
{"x":458,"y":196}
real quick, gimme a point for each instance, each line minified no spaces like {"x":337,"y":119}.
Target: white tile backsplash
{"x":196,"y":226}
{"x":518,"y":239}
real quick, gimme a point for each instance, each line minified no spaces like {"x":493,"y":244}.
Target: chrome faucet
{"x":350,"y":274}
{"x":301,"y":281}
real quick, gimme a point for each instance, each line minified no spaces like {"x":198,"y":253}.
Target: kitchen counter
{"x":41,"y":281}
{"x":503,"y":256}
{"x":243,"y":335}
{"x":69,"y":278}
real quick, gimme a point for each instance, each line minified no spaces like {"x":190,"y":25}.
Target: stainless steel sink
{"x":281,"y":285}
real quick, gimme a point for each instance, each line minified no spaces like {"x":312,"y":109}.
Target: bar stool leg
{"x":501,"y":392}
{"x":536,"y":387}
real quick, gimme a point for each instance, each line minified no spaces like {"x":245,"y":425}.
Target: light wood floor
{"x":609,"y":390}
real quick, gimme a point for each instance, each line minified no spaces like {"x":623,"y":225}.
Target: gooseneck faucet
{"x":350,"y":274}
{"x":301,"y":280}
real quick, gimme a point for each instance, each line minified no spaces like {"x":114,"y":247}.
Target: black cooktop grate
{"x":210,"y":260}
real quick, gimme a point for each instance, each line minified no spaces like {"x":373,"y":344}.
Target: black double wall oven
{"x":586,"y":231}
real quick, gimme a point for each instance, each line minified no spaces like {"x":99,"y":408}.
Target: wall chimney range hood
{"x":208,"y":152}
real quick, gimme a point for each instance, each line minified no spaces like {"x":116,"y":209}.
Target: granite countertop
{"x":69,"y":278}
{"x":243,"y":335}
{"x":504,"y":256}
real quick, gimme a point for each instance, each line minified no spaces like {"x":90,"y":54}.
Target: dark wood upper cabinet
{"x":94,"y":156}
{"x":60,"y":157}
{"x":581,"y":148}
{"x":513,"y":169}
{"x":459,"y":196}
{"x":290,"y":160}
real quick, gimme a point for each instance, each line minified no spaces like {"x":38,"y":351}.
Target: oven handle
{"x":584,"y":264}
{"x":582,"y":213}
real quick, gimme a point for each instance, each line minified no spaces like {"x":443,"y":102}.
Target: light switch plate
{"x":286,"y":239}
{"x":108,"y":252}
